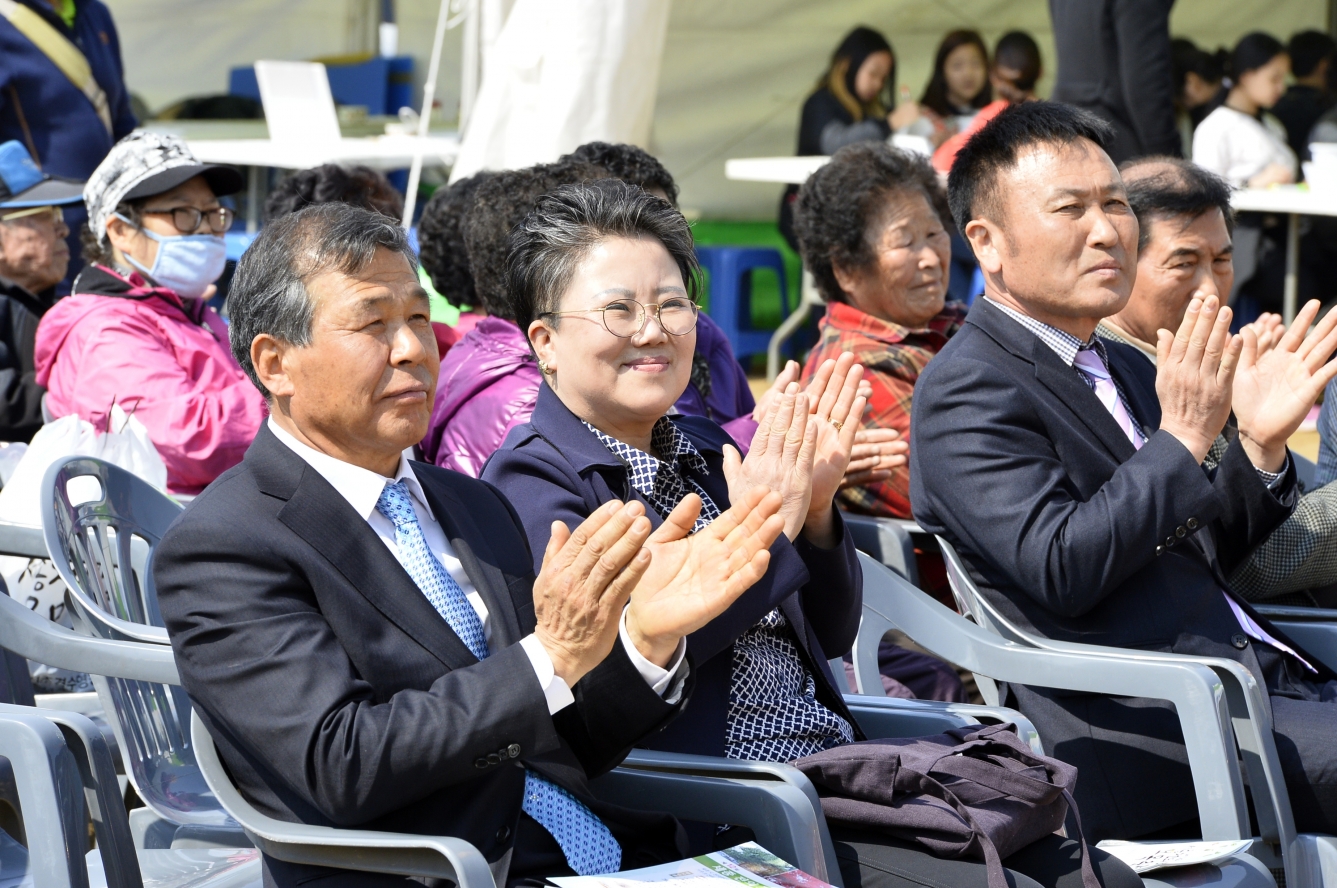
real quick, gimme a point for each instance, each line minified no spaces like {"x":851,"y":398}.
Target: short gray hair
{"x":546,"y":248}
{"x":269,"y":294}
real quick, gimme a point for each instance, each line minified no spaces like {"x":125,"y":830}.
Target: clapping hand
{"x":780,"y":458}
{"x":585,"y":581}
{"x":1194,"y":371}
{"x":694,"y":577}
{"x":876,"y":452}
{"x":839,"y":418}
{"x":1274,"y":389}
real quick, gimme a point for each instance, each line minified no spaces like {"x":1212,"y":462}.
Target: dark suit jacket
{"x":554,"y":468}
{"x":1114,"y":60}
{"x":338,"y":696}
{"x":1076,"y":536}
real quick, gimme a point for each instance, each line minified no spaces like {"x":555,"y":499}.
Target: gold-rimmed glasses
{"x":625,"y":318}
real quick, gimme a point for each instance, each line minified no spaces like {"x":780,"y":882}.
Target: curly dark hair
{"x":501,"y":203}
{"x":441,"y":248}
{"x":632,"y":165}
{"x":331,"y":183}
{"x":839,"y":204}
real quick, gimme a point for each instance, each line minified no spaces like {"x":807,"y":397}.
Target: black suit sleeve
{"x":833,"y":595}
{"x":988,"y":470}
{"x":1142,"y":28}
{"x":258,"y":655}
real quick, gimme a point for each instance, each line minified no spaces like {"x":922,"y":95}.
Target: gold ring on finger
{"x":837,"y":423}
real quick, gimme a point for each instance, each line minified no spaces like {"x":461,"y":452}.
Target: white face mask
{"x":186,"y":264}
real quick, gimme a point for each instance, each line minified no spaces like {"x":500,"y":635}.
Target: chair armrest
{"x":887,"y":541}
{"x":31,"y":636}
{"x":774,"y":800}
{"x":882,"y":717}
{"x":22,"y":540}
{"x":50,"y":790}
{"x":1194,"y":687}
{"x":441,"y":857}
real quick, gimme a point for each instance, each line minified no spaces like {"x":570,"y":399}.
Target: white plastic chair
{"x":1223,"y":713}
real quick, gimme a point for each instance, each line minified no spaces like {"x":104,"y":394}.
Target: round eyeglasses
{"x":187,"y":219}
{"x":626,"y":318}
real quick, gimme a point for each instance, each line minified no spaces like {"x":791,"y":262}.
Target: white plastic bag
{"x":127,"y":446}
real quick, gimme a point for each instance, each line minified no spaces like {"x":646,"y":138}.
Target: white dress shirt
{"x":362,"y":489}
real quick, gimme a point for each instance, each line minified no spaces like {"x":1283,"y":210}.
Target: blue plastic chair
{"x":730,"y":270}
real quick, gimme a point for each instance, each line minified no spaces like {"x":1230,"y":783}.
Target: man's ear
{"x":984,"y":242}
{"x":271,"y":358}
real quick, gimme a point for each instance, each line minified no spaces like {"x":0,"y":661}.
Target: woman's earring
{"x":543,"y":368}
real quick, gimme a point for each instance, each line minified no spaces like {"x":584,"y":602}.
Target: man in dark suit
{"x":1068,"y":471}
{"x":364,"y":636}
{"x":1114,"y":60}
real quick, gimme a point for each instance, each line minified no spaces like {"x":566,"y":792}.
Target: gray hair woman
{"x":603,"y":279}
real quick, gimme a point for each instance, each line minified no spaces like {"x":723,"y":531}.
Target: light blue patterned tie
{"x":589,"y":847}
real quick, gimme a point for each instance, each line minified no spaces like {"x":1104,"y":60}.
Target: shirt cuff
{"x":555,"y":691}
{"x":658,"y":678}
{"x":1273,"y":479}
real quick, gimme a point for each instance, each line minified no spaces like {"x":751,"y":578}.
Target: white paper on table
{"x":1144,"y":857}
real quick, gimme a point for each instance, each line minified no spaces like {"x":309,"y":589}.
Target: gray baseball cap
{"x":144,"y":164}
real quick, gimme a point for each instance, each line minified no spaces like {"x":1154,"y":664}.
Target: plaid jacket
{"x":893,"y":357}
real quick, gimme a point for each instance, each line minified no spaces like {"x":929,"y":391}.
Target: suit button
{"x":1192,"y":523}
{"x":1239,"y":640}
{"x":1181,"y":532}
{"x":1160,"y":550}
{"x":480,"y":763}
{"x":493,"y":758}
{"x":1169,"y":541}
{"x":513,"y":750}
{"x":503,"y":834}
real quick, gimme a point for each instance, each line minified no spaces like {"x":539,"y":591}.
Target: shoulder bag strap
{"x":62,"y":53}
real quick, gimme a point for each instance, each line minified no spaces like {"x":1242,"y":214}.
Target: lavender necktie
{"x":1092,"y":365}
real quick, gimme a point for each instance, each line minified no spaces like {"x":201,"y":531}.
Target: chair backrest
{"x":299,"y":108}
{"x":102,"y":524}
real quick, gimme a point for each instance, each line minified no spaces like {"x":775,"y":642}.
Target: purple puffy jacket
{"x":488,"y":384}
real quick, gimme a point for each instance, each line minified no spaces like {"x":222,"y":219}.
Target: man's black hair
{"x":631,"y":164}
{"x":500,"y":204}
{"x":972,"y":186}
{"x":357,"y":185}
{"x":1307,"y":49}
{"x":1173,"y":188}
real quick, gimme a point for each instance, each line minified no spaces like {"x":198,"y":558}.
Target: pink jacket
{"x":488,"y":385}
{"x":117,"y":339}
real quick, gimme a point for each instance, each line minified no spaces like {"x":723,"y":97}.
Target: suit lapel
{"x":1077,"y":396}
{"x":476,"y":555}
{"x":1053,"y":374}
{"x":320,"y":516}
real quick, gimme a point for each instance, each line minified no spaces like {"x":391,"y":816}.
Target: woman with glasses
{"x":602,"y":278}
{"x":136,"y":329}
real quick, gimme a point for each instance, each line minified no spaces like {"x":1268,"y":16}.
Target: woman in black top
{"x":852,"y":102}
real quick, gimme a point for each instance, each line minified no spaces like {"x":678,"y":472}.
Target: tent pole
{"x":425,"y":118}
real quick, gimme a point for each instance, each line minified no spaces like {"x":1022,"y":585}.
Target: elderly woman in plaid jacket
{"x":872,"y":225}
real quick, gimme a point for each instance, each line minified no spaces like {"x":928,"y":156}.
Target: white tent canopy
{"x":732,"y":77}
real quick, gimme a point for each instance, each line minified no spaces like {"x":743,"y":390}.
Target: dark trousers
{"x":874,"y":860}
{"x":1134,"y":776}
